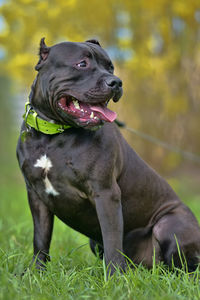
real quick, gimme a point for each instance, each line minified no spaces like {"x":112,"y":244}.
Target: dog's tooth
{"x":82,"y":110}
{"x":92,"y":115}
{"x":76,"y":104}
{"x":95,"y":118}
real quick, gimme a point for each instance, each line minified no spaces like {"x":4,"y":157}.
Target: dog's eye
{"x":82,"y":64}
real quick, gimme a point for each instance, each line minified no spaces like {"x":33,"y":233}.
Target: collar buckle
{"x":27,"y":111}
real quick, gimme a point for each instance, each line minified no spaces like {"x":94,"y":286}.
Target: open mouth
{"x":91,"y":114}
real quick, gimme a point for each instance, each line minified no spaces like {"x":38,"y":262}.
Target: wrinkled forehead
{"x":73,"y":51}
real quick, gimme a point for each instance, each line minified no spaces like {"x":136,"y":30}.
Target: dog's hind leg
{"x":178,"y":236}
{"x":43,"y":226}
{"x":139,"y":246}
{"x":96,"y":248}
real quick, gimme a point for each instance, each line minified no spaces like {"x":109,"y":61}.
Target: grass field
{"x":74,"y":272}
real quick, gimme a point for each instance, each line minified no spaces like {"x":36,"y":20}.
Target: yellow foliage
{"x":176,"y":106}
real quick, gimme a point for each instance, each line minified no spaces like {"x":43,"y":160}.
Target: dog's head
{"x":75,"y":83}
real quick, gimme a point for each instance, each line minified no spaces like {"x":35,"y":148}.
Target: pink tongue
{"x":108,"y":114}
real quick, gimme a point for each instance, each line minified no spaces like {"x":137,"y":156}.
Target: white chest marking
{"x":45,"y":163}
{"x":49,"y":187}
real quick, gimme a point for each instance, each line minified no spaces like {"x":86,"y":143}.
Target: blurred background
{"x":155,"y":46}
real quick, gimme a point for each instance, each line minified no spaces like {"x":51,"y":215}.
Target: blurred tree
{"x":155,"y":45}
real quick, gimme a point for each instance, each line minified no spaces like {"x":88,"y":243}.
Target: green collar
{"x":32,"y":119}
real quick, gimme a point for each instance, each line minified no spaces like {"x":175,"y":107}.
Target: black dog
{"x":78,"y":167}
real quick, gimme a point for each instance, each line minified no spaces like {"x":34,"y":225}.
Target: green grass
{"x":74,"y":272}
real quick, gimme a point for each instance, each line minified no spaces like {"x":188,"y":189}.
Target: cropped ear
{"x":43,"y":53}
{"x":93,"y":41}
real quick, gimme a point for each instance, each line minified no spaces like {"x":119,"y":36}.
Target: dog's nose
{"x":113,"y":82}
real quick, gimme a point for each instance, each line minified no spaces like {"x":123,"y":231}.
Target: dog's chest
{"x":46,"y":176}
{"x":58,"y":180}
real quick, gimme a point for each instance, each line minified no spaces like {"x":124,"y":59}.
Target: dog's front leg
{"x":43,"y":226}
{"x":109,"y":211}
